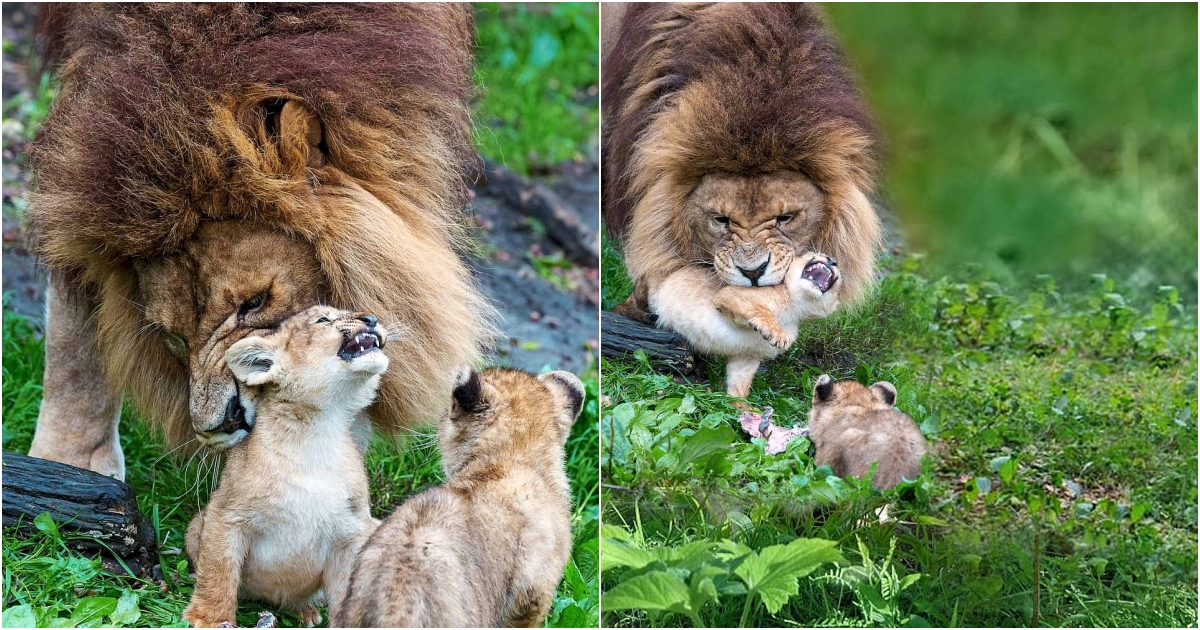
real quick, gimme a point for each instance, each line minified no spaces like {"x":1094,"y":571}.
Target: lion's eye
{"x":784,"y":218}
{"x":721,"y":220}
{"x":253,"y":304}
{"x":175,"y":343}
{"x":323,"y":320}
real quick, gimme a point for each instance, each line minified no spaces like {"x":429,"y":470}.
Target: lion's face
{"x":233,"y":278}
{"x":754,"y":225}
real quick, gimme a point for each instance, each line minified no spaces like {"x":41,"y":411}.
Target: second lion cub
{"x":292,"y":507}
{"x":487,"y":548}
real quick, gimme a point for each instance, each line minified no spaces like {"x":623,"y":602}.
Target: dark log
{"x":93,"y":512}
{"x":563,"y":225}
{"x":621,"y":337}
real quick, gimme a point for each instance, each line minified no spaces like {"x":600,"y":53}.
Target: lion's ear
{"x":294,"y":131}
{"x":254,"y":360}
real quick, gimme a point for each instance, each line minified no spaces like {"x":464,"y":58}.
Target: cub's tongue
{"x":361,"y":342}
{"x":820,"y":274}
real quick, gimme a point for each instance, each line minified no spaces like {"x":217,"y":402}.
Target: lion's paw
{"x":310,"y":616}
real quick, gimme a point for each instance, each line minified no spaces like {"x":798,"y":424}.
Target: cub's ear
{"x":823,"y":390}
{"x":885,"y":392}
{"x":468,"y":391}
{"x":568,"y":388}
{"x":254,"y":360}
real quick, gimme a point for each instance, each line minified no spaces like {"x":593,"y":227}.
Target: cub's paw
{"x":771,"y":332}
{"x":199,"y":617}
{"x":309,"y":616}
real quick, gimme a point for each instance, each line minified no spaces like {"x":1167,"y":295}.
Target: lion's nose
{"x":754,"y":274}
{"x":369,"y":320}
{"x":235,"y":416}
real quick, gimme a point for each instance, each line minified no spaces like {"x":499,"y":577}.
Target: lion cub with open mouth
{"x":292,"y":507}
{"x":853,"y":426}
{"x":487,"y":548}
{"x":746,"y":324}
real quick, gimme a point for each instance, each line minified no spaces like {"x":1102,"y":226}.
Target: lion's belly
{"x":684,"y":303}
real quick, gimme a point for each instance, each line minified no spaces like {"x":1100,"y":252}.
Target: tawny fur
{"x":741,"y":89}
{"x":201,"y":154}
{"x":854,"y":426}
{"x":487,"y":548}
{"x":293,"y":506}
{"x":747,"y":325}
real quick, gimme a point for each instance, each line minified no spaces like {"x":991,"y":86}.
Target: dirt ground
{"x":548,"y":319}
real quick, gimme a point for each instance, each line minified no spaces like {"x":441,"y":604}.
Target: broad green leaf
{"x":657,"y":590}
{"x":623,"y":553}
{"x":91,"y":610}
{"x":774,"y":571}
{"x":20,"y":617}
{"x":45,"y":523}
{"x":127,"y":612}
{"x":703,"y":443}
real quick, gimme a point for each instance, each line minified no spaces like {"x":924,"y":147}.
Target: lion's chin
{"x":222,"y":441}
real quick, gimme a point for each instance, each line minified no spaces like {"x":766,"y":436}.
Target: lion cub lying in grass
{"x":854,"y":426}
{"x":292,"y":507}
{"x":488,"y":547}
{"x":746,"y":324}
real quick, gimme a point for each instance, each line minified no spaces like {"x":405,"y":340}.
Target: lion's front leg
{"x":80,"y":413}
{"x":756,"y":308}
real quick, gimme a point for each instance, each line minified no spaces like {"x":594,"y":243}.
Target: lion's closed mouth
{"x":360,"y":344}
{"x":820,"y":274}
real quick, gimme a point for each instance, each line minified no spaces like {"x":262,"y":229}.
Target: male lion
{"x":210,"y":169}
{"x":735,"y":140}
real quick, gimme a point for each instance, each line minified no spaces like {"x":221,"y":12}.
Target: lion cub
{"x":854,"y":426}
{"x":292,"y":507}
{"x":488,"y":547}
{"x":746,"y":324}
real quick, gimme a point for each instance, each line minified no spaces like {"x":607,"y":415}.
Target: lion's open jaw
{"x":360,"y":344}
{"x":820,"y":274}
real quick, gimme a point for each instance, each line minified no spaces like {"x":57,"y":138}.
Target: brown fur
{"x":293,"y":506}
{"x":487,"y":548}
{"x":200,"y":154}
{"x":742,"y":89}
{"x":854,"y":426}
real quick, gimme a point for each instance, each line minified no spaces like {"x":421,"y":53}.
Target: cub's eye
{"x":253,"y":304}
{"x":721,"y":220}
{"x":784,"y":218}
{"x":323,"y":320}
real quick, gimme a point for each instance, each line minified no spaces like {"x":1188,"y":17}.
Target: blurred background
{"x":1037,"y":138}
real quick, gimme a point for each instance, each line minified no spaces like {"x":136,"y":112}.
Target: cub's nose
{"x":754,"y":274}
{"x":369,"y":320}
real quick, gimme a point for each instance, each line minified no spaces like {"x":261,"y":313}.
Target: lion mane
{"x":744,"y":88}
{"x":173,"y":115}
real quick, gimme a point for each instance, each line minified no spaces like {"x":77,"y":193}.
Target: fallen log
{"x":563,"y":224}
{"x":621,"y":337}
{"x":93,"y":513}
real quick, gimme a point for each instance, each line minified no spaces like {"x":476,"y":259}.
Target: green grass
{"x":1026,"y":392}
{"x":537,"y":66}
{"x":56,"y":582}
{"x":1038,"y":138}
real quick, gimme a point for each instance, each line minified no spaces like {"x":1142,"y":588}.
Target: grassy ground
{"x":1022,"y":140}
{"x":1063,"y":491}
{"x":537,"y":107}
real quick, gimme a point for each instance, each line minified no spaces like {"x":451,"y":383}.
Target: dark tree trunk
{"x":93,"y":512}
{"x":621,"y":337}
{"x":562,"y":223}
